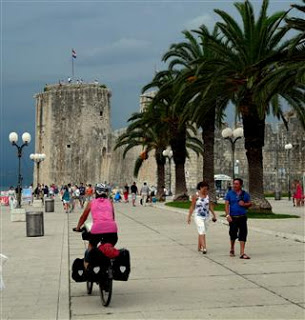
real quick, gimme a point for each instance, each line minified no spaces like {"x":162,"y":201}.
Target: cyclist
{"x":104,"y":228}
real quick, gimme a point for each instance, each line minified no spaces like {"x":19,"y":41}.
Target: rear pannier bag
{"x":78,"y":271}
{"x":121,"y":266}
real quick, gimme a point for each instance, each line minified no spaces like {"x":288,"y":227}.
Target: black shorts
{"x":238,"y":228}
{"x":94,"y":239}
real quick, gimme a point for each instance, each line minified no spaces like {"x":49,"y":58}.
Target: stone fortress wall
{"x":73,"y":130}
{"x":275,"y":159}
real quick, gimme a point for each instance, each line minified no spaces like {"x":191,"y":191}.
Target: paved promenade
{"x":169,"y":278}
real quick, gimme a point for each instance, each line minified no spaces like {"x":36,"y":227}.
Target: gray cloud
{"x":196,"y":22}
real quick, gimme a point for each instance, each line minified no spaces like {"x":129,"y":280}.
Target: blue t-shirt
{"x":234,"y":198}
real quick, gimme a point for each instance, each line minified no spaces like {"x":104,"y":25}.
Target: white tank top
{"x":202,"y":207}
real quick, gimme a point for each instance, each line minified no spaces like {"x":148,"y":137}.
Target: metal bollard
{"x":34,"y":224}
{"x":49,"y":205}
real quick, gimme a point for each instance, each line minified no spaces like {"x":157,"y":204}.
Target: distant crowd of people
{"x":147,"y":194}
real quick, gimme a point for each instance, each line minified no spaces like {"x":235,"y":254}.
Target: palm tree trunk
{"x":208,"y":134}
{"x":180,"y":187}
{"x":178,"y":145}
{"x":254,"y":133}
{"x":160,"y":160}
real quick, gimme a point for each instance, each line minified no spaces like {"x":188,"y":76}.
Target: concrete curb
{"x":63,"y":310}
{"x":289,"y":236}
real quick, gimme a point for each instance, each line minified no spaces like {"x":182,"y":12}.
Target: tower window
{"x":101,"y":113}
{"x":68,"y":145}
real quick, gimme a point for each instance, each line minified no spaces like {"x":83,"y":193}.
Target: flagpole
{"x":72,"y":64}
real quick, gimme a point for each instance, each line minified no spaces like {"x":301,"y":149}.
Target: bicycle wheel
{"x":89,"y":287}
{"x":106,"y":291}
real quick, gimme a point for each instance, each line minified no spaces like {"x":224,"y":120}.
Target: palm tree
{"x":186,"y":55}
{"x":245,"y":57}
{"x":181,"y":134}
{"x":140,"y":132}
{"x":287,"y":78}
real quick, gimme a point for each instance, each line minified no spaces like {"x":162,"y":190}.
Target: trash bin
{"x":34,"y":224}
{"x":277,"y":195}
{"x":49,"y":205}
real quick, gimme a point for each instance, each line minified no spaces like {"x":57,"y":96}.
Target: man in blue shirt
{"x":237,"y":203}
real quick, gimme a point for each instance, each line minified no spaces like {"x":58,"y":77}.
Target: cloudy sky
{"x":118,"y":42}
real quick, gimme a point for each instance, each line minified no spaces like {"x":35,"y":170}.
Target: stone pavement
{"x":169,"y":278}
{"x":36,"y":274}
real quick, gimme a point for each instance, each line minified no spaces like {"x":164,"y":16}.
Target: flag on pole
{"x":73,"y":54}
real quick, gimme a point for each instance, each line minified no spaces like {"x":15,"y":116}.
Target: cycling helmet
{"x":101,"y":188}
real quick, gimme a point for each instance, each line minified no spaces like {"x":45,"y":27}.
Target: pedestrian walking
{"x":237,"y":203}
{"x":201,"y":205}
{"x":45,"y":192}
{"x":66,"y":198}
{"x":126,"y":192}
{"x":76,"y":195}
{"x":134,"y":192}
{"x":12,"y":199}
{"x":82,"y":193}
{"x":298,"y":195}
{"x":144,"y":193}
{"x":89,"y":193}
{"x":52,"y":191}
{"x":71,"y":192}
{"x":38,"y":192}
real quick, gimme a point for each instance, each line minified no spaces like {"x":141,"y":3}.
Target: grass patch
{"x":272,"y":195}
{"x":221,"y":207}
{"x":259,"y":215}
{"x":187,"y":204}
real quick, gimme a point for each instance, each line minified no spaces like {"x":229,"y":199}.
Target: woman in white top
{"x":11,"y":197}
{"x":201,"y":205}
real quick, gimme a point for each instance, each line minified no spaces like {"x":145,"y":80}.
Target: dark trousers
{"x":94,"y":239}
{"x":238,"y":228}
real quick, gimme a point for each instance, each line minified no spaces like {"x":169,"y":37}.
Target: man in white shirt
{"x":144,"y":193}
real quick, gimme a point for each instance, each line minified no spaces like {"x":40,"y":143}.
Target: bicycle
{"x":101,"y":270}
{"x":103,"y":278}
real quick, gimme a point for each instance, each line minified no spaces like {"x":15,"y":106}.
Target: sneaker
{"x":204,"y":251}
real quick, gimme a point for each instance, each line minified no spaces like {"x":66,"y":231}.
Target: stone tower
{"x":72,"y":129}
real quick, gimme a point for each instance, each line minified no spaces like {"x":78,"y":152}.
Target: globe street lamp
{"x":13,"y":138}
{"x":37,"y":158}
{"x":168,"y":153}
{"x":232,"y":136}
{"x":288,"y":148}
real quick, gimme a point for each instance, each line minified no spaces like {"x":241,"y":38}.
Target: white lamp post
{"x":232,"y":136}
{"x":26,"y":139}
{"x":236,"y":168}
{"x":168,"y":153}
{"x":288,"y":148}
{"x":37,"y":158}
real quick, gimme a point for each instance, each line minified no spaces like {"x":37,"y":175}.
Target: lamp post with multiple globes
{"x":168,"y":153}
{"x":26,"y":139}
{"x":233,"y":136}
{"x":37,"y":158}
{"x":288,"y":148}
